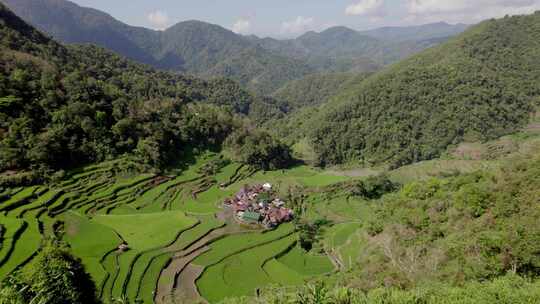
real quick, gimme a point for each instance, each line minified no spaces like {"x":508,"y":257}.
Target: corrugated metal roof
{"x":251,"y":216}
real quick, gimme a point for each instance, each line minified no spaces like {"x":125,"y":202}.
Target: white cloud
{"x":468,"y":11}
{"x":242,"y":26}
{"x":159,"y":20}
{"x":371,"y":8}
{"x":299,"y":25}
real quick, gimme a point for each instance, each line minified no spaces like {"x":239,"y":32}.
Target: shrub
{"x":309,"y":232}
{"x":374,"y":187}
{"x":422,"y":190}
{"x":509,"y":289}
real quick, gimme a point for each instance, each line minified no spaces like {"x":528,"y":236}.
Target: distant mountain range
{"x":381,"y":46}
{"x":261,"y":64}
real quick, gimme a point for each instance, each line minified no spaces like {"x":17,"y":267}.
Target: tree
{"x":259,"y":149}
{"x":53,"y":277}
{"x":374,"y":187}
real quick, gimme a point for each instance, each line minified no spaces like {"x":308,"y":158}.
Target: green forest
{"x":67,"y":106}
{"x":478,"y":86}
{"x":390,"y":166}
{"x":209,"y":50}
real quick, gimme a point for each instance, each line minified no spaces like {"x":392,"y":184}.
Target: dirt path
{"x":361,"y":172}
{"x":335,"y":259}
{"x":533,"y":127}
{"x":174,"y":284}
{"x":188,"y":291}
{"x":171,"y":277}
{"x":177,"y":280}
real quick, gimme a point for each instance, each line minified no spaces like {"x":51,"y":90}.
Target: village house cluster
{"x":259,"y":205}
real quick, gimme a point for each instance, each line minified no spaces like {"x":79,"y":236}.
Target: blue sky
{"x":289,"y":18}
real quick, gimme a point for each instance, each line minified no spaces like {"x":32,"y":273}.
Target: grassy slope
{"x":82,"y":232}
{"x":90,"y":241}
{"x":306,"y":264}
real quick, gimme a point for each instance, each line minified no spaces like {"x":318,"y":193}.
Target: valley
{"x":167,"y":230}
{"x":195,"y":164}
{"x":184,"y":247}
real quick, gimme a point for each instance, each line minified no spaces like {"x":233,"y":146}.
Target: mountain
{"x":478,"y":86}
{"x":210,"y":50}
{"x":199,"y":45}
{"x":339,"y":42}
{"x":187,"y":46}
{"x":333,"y":42}
{"x":371,"y":49}
{"x":69,"y":23}
{"x":416,"y":33}
{"x":191,"y":46}
{"x":63,"y":106}
{"x":260,"y":70}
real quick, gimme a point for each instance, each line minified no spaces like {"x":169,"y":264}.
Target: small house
{"x":278,"y":203}
{"x":123,"y":247}
{"x":239,"y":208}
{"x":264,"y":198}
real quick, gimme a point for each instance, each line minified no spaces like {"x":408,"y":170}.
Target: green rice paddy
{"x":228,"y":277}
{"x":160,"y":219}
{"x":306,"y":264}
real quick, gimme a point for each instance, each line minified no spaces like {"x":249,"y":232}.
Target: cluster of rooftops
{"x":258,"y":204}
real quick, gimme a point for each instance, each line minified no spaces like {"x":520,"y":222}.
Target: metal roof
{"x":251,"y":216}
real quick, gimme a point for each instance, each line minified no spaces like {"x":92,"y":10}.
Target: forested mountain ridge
{"x":66,"y":106}
{"x":260,"y":70}
{"x":191,"y":46}
{"x":369,"y":48}
{"x":417,"y":33}
{"x":207,"y":49}
{"x":316,"y":89}
{"x":68,"y":23}
{"x":479,"y":85}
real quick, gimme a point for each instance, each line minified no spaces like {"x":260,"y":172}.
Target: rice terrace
{"x":223,"y":152}
{"x":160,"y":238}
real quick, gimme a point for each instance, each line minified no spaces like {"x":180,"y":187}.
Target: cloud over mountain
{"x":371,"y":8}
{"x":468,"y":11}
{"x":242,"y":26}
{"x":159,"y":19}
{"x":298,"y":25}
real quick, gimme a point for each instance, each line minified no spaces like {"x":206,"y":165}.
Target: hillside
{"x":457,"y":238}
{"x":68,"y":23}
{"x":315,"y":89}
{"x":260,"y":70}
{"x":478,"y":86}
{"x":67,"y":106}
{"x":121,"y":183}
{"x":205,"y":49}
